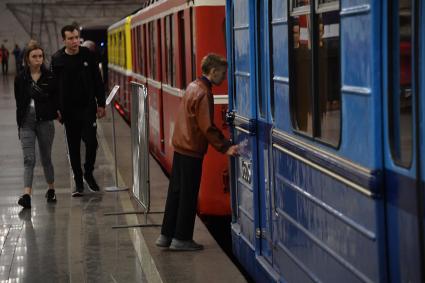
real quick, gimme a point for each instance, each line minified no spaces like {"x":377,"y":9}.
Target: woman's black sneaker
{"x":25,"y":201}
{"x":50,"y":195}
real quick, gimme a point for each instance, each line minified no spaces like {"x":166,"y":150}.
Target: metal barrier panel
{"x":140,"y":144}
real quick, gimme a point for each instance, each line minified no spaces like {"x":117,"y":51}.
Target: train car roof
{"x":119,"y":23}
{"x":168,"y":7}
{"x":124,"y":20}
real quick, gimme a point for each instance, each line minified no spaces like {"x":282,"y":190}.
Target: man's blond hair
{"x":211,"y":61}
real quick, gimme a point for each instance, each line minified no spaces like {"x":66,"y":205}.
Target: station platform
{"x":77,"y":239}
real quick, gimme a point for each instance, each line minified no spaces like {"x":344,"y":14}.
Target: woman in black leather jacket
{"x":36,"y":108}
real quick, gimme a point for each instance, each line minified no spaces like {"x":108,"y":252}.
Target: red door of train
{"x":177,"y":36}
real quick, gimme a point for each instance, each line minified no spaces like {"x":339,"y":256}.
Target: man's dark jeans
{"x":182,"y":198}
{"x":81,"y":127}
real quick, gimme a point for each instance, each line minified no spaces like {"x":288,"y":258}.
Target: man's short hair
{"x":211,"y":61}
{"x":69,"y":28}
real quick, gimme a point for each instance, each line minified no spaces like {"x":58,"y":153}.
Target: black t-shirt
{"x":76,"y":96}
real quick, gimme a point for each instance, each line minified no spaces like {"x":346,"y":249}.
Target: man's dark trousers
{"x":5,"y":66}
{"x":81,"y":127}
{"x":182,"y":197}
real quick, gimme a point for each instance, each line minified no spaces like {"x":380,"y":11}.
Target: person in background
{"x":92,"y":47}
{"x":4,"y":59}
{"x":17,"y":53}
{"x":194,"y":130}
{"x":81,"y":101}
{"x":36,"y":108}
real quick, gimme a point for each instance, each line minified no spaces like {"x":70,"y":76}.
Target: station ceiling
{"x":92,"y":13}
{"x":43,"y":19}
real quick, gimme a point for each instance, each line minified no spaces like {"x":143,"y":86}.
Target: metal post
{"x":114,"y":188}
{"x":140,"y":150}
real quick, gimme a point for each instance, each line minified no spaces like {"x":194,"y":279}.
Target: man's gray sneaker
{"x":163,"y":241}
{"x":178,"y":245}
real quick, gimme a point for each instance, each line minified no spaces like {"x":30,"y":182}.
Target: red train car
{"x":168,"y":41}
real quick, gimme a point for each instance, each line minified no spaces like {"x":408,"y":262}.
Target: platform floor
{"x":73,"y":240}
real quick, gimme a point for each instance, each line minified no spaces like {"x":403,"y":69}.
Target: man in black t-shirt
{"x":82,"y":100}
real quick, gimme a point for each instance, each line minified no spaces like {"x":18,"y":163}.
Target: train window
{"x":169,"y":47}
{"x":115,"y":51}
{"x":301,"y":72}
{"x":278,"y":19}
{"x":168,"y":58}
{"x":173,"y":40}
{"x":150,"y":47}
{"x":123,"y":50}
{"x":111,"y":49}
{"x":328,"y":74}
{"x":182,"y":50}
{"x":143,"y":52}
{"x":153,"y":36}
{"x":326,"y":5}
{"x":261,"y":78}
{"x":135,"y":45}
{"x":400,"y":95}
{"x":116,"y":48}
{"x":121,"y":55}
{"x":315,"y":69}
{"x":139,"y":51}
{"x":300,"y":6}
{"x":193,"y":33}
{"x":133,"y":48}
{"x":119,"y":58}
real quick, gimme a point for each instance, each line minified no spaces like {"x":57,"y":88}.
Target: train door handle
{"x":230,"y":117}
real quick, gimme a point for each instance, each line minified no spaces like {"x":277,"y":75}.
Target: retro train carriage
{"x":120,"y":64}
{"x":164,"y":44}
{"x":169,"y":40}
{"x":327,"y":99}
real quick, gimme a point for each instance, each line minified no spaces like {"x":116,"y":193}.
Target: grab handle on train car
{"x":230,"y":117}
{"x":224,"y":112}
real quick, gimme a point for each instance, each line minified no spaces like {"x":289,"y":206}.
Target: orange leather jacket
{"x":194,"y":127}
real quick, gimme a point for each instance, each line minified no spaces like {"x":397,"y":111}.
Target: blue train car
{"x":326,"y":103}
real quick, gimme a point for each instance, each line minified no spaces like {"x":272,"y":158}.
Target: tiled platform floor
{"x":72,"y":240}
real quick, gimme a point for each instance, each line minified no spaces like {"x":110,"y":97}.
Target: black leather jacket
{"x":91,"y":80}
{"x":44,"y":93}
